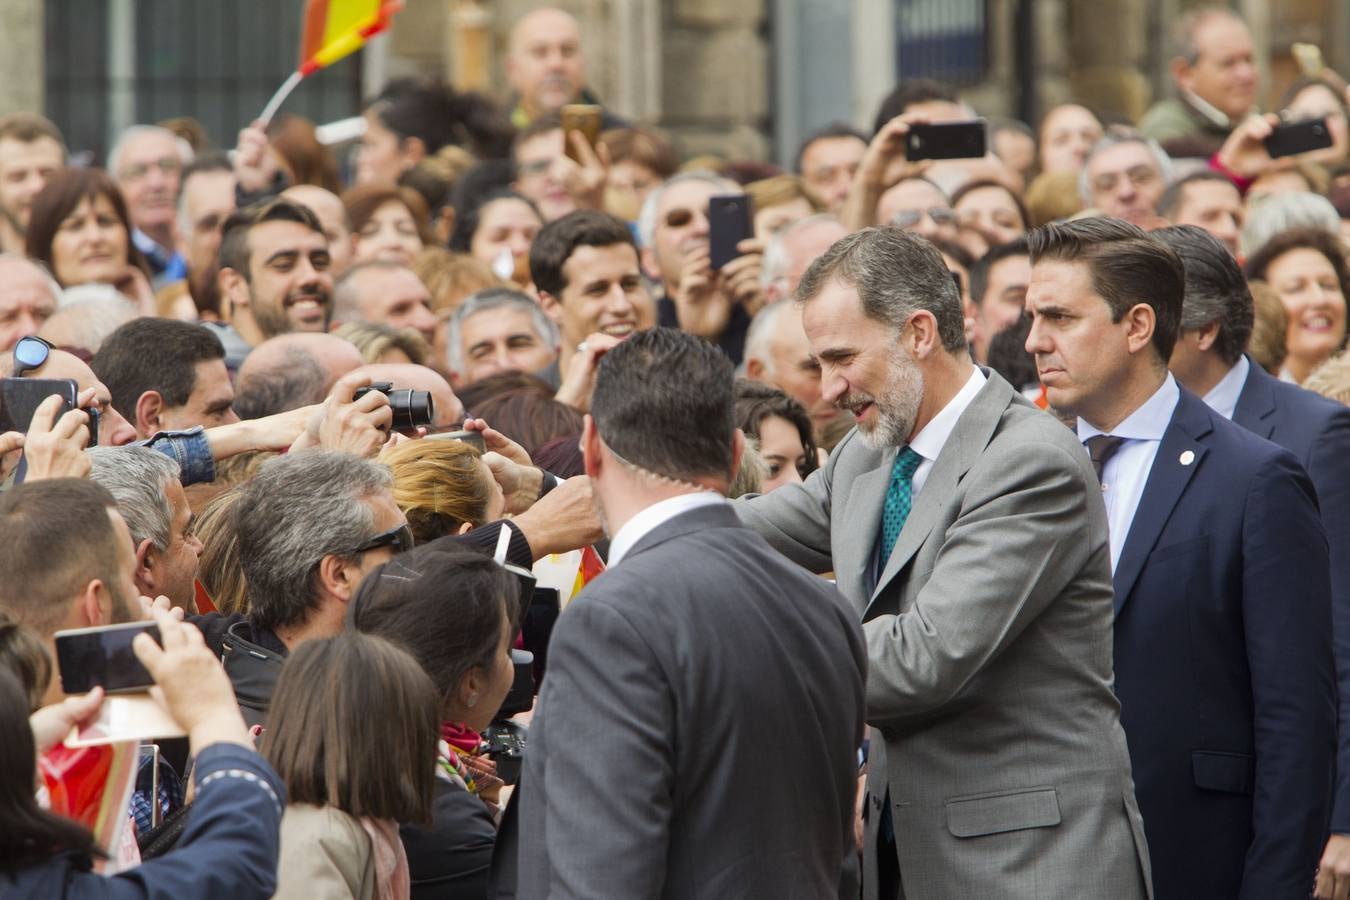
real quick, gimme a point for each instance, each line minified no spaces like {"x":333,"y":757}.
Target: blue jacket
{"x":228,"y":849}
{"x":1224,"y":665}
{"x":1317,"y":431}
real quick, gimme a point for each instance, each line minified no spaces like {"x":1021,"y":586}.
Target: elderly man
{"x":964,"y":527}
{"x":28,"y":298}
{"x":501,"y":330}
{"x":147,"y":162}
{"x":1207,"y":200}
{"x":1214,"y":69}
{"x":31,"y":150}
{"x":1124,"y":177}
{"x":290,"y":371}
{"x":778,"y":353}
{"x":384,"y":293}
{"x":546,"y":68}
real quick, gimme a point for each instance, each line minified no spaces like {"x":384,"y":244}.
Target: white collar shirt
{"x":1223,"y":397}
{"x":653,"y":517}
{"x":929,"y":442}
{"x":1126,"y":473}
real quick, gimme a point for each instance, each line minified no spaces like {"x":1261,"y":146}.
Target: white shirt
{"x":1124,"y":475}
{"x":929,"y":442}
{"x":636,"y":528}
{"x":1223,"y":397}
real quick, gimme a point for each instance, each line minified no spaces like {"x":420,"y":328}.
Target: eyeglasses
{"x":30,"y":353}
{"x":1139,"y":176}
{"x":399,"y":539}
{"x":940,"y":215}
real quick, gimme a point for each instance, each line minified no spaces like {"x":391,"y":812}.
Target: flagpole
{"x":278,"y":98}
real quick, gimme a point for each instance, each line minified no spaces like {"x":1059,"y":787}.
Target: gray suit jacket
{"x":696,"y":734}
{"x":995,"y":730}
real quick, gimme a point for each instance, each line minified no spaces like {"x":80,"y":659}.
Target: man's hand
{"x":1244,"y":152}
{"x":883,"y":164}
{"x":55,"y":449}
{"x":1333,"y":872}
{"x":255,"y":165}
{"x":353,"y":426}
{"x":496,"y":442}
{"x":11,"y":448}
{"x":160,"y":604}
{"x":702,"y":306}
{"x":520,"y":484}
{"x":741,"y":278}
{"x":52,"y":723}
{"x":585,"y":177}
{"x":277,"y":432}
{"x":579,"y":382}
{"x":563,"y":520}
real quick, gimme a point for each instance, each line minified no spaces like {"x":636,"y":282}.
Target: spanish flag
{"x":335,"y":28}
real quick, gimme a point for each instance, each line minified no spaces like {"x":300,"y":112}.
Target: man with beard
{"x":31,"y":149}
{"x":274,"y":271}
{"x":967,"y":530}
{"x":67,"y":560}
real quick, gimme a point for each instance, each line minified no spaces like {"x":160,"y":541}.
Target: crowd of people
{"x":981,"y":528}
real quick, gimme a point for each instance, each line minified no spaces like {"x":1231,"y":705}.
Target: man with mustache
{"x":967,"y":531}
{"x":546,"y":67}
{"x":147,"y":162}
{"x":274,"y":271}
{"x":31,"y":149}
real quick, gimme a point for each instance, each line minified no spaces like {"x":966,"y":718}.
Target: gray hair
{"x":896,"y":274}
{"x":759,"y":337}
{"x":1188,"y":25}
{"x":133,"y":132}
{"x":138,"y":478}
{"x":300,"y":508}
{"x":347,"y":293}
{"x":52,"y":284}
{"x":88,"y":315}
{"x":1115,"y":138}
{"x":647,"y":217}
{"x":777,"y":260}
{"x":1280,"y":212}
{"x":490,"y":299}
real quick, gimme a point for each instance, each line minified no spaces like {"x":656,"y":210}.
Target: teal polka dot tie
{"x":899,"y":498}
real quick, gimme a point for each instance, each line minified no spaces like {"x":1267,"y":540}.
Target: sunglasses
{"x":908,"y":218}
{"x":30,"y":353}
{"x":399,"y":539}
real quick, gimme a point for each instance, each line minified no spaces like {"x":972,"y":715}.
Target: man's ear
{"x":923,"y":336}
{"x":737,"y":452}
{"x":1181,"y":73}
{"x":93,"y":606}
{"x":1206,"y":335}
{"x":590,"y":446}
{"x":1141,"y":322}
{"x":149,"y":409}
{"x":754,"y":369}
{"x":233,"y":288}
{"x":650,"y":267}
{"x":147,"y":561}
{"x":414,"y":149}
{"x":552,"y":307}
{"x":338,"y":577}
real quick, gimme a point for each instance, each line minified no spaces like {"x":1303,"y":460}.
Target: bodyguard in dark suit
{"x":1216,"y":322}
{"x":697,"y":733}
{"x":1222,"y":586}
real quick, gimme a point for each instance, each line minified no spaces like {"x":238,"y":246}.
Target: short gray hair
{"x":1281,"y":212}
{"x":777,"y":260}
{"x":138,"y":478}
{"x":490,"y":299}
{"x":300,"y":508}
{"x":896,"y":274}
{"x":1189,"y":24}
{"x":759,"y":337}
{"x":133,"y":132}
{"x":1114,"y":138}
{"x":647,"y":217}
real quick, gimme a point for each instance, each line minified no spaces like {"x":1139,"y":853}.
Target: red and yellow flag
{"x":334,"y":28}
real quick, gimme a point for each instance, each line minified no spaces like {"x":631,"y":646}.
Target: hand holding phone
{"x":730,"y":221}
{"x":947,"y":140}
{"x":1292,"y":138}
{"x":582,"y":117}
{"x":102,"y":657}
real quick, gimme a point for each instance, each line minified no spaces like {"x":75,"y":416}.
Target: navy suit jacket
{"x":1224,"y":663}
{"x":1317,"y":431}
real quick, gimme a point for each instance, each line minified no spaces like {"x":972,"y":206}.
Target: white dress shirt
{"x":929,"y":442}
{"x":636,"y":528}
{"x":1223,"y":397}
{"x":1124,"y":475}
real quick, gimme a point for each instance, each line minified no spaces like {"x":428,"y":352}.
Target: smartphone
{"x":730,"y":221}
{"x":472,"y":438}
{"x":1309,"y":59}
{"x":583,"y":117}
{"x":947,"y":140}
{"x":20,"y":398}
{"x":88,"y":657}
{"x":1290,"y":138}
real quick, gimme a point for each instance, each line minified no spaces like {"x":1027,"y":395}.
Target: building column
{"x":21,"y":56}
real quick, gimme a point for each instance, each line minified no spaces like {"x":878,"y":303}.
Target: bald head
{"x":544,"y":64}
{"x":449,"y":411}
{"x":113,"y":429}
{"x":290,"y":371}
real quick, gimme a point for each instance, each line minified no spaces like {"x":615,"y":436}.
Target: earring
{"x":473,"y":700}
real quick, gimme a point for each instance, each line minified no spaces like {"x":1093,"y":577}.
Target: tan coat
{"x":325,"y":855}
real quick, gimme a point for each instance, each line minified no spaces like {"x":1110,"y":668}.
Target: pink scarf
{"x":391,"y":862}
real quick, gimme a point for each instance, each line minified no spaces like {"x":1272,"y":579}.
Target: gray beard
{"x":897,"y":407}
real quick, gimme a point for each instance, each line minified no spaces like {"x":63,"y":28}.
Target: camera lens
{"x":412,"y":409}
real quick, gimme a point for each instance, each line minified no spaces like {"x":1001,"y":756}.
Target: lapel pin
{"x":1187,"y":457}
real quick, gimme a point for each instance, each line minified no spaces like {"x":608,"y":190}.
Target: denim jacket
{"x":190,"y":450}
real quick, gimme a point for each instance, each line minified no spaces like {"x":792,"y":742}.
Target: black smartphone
{"x":472,"y":438}
{"x":20,"y":398}
{"x":730,"y":221}
{"x":88,"y":657}
{"x":1290,"y":138}
{"x":947,"y":140}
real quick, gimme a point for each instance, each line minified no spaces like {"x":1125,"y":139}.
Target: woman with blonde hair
{"x":443,"y":487}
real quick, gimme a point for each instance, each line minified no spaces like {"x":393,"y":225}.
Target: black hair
{"x":979,"y":272}
{"x":558,"y":240}
{"x":757,"y":401}
{"x":832,"y":130}
{"x":907,"y":94}
{"x":437,"y":115}
{"x":152,"y":354}
{"x":470,"y":216}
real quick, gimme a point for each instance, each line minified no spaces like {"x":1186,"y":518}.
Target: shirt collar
{"x":148,"y":245}
{"x":1211,"y":112}
{"x":1223,"y":397}
{"x":638,"y":527}
{"x":1148,"y":422}
{"x":929,"y":442}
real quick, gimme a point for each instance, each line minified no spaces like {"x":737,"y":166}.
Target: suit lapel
{"x":866,"y":498}
{"x":1255,"y":410}
{"x":968,"y":439}
{"x":1167,"y":480}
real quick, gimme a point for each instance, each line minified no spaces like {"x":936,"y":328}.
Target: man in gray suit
{"x":967,"y":529}
{"x":696,"y":735}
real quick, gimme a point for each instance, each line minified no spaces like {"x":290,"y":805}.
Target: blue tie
{"x":899,"y":498}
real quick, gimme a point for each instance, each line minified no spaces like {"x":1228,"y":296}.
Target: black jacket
{"x":450,"y":858}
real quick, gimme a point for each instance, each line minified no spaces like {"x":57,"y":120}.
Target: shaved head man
{"x":291,"y":371}
{"x":544,"y":63}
